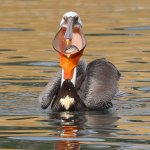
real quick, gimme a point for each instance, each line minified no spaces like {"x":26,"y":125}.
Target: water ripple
{"x":35,"y":138}
{"x":6,"y":50}
{"x":141,"y":62}
{"x":144,"y":89}
{"x":135,"y":70}
{"x":16,"y":29}
{"x":31,"y":63}
{"x":112,"y":34}
{"x":143,"y":99}
{"x":133,"y":28}
{"x":24,"y":78}
{"x":32,"y":84}
{"x":17,"y":57}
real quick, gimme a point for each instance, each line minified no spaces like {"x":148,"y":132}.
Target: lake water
{"x":117,"y":30}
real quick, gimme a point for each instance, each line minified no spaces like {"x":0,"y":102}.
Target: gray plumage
{"x":51,"y":89}
{"x":96,"y":85}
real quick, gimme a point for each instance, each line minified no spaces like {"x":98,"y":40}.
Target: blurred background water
{"x":118,"y":30}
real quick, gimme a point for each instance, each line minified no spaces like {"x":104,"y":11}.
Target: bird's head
{"x":70,"y":42}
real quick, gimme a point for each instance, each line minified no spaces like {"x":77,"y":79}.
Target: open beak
{"x":68,"y":35}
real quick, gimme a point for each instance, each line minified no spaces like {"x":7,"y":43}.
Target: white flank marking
{"x":67,"y":102}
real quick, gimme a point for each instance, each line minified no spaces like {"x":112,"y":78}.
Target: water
{"x":117,"y":30}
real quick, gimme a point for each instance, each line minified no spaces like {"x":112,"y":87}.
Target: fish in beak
{"x":69,"y":42}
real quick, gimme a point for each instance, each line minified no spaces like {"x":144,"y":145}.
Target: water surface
{"x":117,"y":30}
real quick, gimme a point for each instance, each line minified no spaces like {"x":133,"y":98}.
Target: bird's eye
{"x":75,"y":18}
{"x":65,"y":18}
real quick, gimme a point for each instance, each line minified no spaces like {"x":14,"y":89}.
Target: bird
{"x":78,"y":85}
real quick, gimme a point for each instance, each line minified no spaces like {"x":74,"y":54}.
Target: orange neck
{"x":68,"y":64}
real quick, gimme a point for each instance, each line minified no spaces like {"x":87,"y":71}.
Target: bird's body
{"x":96,"y":85}
{"x":79,"y":86}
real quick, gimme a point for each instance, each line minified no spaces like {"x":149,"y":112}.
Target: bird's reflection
{"x":70,"y":124}
{"x":73,"y":125}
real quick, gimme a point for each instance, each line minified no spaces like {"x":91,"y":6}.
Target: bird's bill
{"x":68,"y":42}
{"x":70,"y":34}
{"x":69,"y":30}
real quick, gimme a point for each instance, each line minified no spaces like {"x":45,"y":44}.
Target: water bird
{"x":79,"y":85}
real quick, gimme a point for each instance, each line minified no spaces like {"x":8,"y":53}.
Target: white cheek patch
{"x":67,"y":102}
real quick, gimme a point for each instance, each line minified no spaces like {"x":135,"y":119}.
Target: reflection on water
{"x":62,"y":130}
{"x":89,"y":130}
{"x":116,"y":30}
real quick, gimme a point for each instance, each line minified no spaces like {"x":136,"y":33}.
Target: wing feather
{"x":100,"y":84}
